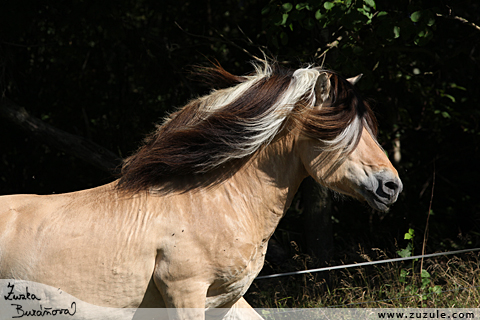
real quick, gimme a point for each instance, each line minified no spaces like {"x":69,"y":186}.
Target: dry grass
{"x":452,"y":283}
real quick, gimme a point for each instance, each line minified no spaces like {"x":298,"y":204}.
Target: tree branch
{"x":463,"y":20}
{"x":75,"y":145}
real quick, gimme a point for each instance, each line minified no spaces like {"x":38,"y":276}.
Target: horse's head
{"x":332,"y":126}
{"x":338,"y":148}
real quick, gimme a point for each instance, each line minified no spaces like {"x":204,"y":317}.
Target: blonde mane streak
{"x":345,"y":141}
{"x":265,"y":126}
{"x":218,"y":99}
{"x":336,"y":151}
{"x":228,"y":124}
{"x":300,"y":87}
{"x":235,"y":122}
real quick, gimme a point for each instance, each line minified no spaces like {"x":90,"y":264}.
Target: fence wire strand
{"x":362,"y":264}
{"x":373,"y":263}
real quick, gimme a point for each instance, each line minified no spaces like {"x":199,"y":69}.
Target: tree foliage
{"x":108,"y":70}
{"x":420,"y":64}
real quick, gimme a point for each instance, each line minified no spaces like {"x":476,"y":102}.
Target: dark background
{"x":107,"y":71}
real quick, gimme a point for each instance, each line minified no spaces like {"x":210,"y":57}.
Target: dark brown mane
{"x":346,"y":104}
{"x":195,"y":140}
{"x":230,"y":124}
{"x":216,"y":77}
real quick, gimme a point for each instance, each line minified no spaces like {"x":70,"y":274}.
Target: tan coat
{"x":199,"y":248}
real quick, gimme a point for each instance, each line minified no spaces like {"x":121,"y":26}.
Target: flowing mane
{"x":234,"y":122}
{"x":187,"y":225}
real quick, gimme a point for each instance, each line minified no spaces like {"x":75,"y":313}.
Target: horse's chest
{"x":221,"y":260}
{"x":233,"y":280}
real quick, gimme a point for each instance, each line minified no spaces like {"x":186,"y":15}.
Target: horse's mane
{"x":234,"y":122}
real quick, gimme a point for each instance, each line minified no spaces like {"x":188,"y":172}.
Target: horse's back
{"x":27,"y":227}
{"x":59,"y":239}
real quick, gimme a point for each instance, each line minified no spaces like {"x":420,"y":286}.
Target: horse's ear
{"x":354,"y":80}
{"x":322,"y":87}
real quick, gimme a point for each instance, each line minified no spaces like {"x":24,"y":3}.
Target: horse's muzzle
{"x":382,"y":191}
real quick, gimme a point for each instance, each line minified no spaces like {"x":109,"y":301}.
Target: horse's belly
{"x":119,"y":286}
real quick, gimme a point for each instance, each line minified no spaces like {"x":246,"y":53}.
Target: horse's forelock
{"x":339,"y":124}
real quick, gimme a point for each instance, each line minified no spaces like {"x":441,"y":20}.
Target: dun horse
{"x":186,"y":225}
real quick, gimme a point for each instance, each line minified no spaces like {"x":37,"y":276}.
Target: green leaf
{"x":416,"y":16}
{"x":382,"y":14}
{"x":404,"y":253}
{"x":265,"y":10}
{"x":302,"y":6}
{"x":370,"y":3}
{"x":407,"y":252}
{"x":444,"y":114}
{"x":436,"y":289}
{"x":287,"y":7}
{"x":410,"y":234}
{"x":318,"y":14}
{"x":403,"y":276}
{"x":328,"y":5}
{"x":455,"y":86}
{"x":425,"y":278}
{"x":425,"y":274}
{"x":284,"y":20}
{"x":396,"y":31}
{"x":449,"y":97}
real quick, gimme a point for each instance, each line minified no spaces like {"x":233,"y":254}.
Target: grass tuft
{"x":446,"y":282}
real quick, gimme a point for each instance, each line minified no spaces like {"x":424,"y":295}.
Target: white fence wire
{"x":362,"y":264}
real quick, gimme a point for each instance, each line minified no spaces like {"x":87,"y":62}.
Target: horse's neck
{"x":271,"y":179}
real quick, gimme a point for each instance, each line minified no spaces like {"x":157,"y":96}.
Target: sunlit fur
{"x":198,"y":202}
{"x":235,"y":122}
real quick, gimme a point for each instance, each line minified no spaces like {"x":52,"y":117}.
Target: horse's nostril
{"x":391,"y":185}
{"x":388,"y":188}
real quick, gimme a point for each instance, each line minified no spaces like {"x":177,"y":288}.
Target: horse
{"x":186,"y":224}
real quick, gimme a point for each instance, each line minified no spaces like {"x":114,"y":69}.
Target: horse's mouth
{"x":379,"y":205}
{"x":376,"y":202}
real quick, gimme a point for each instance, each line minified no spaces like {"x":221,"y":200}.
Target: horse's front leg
{"x":185,"y":299}
{"x":239,"y":310}
{"x":243,"y":310}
